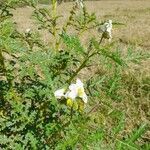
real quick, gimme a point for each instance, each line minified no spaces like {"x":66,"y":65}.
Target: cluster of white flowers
{"x":106,"y":30}
{"x":75,"y":92}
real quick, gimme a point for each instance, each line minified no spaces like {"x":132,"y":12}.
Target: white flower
{"x":81,"y":92}
{"x":72,"y":93}
{"x":107,"y":26}
{"x":76,"y":90}
{"x":59,"y":93}
{"x":28,"y":30}
{"x":80,"y":3}
{"x":106,"y":29}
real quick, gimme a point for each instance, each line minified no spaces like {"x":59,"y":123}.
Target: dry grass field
{"x":135,"y":34}
{"x":134,"y":14}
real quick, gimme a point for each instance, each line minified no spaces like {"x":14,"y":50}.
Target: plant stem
{"x":2,"y":60}
{"x":94,"y":108}
{"x":83,"y":63}
{"x":54,"y":8}
{"x":78,"y":70}
{"x":71,"y":113}
{"x":101,"y":39}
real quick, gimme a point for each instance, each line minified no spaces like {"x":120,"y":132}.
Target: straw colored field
{"x":134,"y":14}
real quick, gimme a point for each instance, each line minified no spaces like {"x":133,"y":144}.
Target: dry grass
{"x":134,"y":14}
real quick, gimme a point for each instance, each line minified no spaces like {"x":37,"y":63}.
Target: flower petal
{"x":59,"y":93}
{"x":81,"y":91}
{"x":84,"y":98}
{"x":72,"y":95}
{"x":79,"y":83}
{"x":72,"y":87}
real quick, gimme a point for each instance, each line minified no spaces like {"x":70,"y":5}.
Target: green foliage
{"x":30,"y":72}
{"x":129,"y":143}
{"x":73,"y":43}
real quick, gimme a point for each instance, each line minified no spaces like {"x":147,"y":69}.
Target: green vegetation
{"x":31,"y":117}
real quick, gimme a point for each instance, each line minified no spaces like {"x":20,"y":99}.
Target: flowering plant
{"x":106,"y":30}
{"x":75,"y":95}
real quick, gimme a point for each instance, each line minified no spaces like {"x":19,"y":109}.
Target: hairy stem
{"x":101,"y":40}
{"x":54,"y":8}
{"x":78,"y":70}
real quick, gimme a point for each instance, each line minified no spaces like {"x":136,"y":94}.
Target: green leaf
{"x":122,"y":145}
{"x":32,"y":139}
{"x":137,"y":133}
{"x":120,"y":125}
{"x":105,"y":52}
{"x":6,"y":29}
{"x":72,"y":42}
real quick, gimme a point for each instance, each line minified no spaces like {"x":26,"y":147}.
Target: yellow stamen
{"x":80,"y":92}
{"x":72,"y":104}
{"x":80,"y":105}
{"x":69,"y":102}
